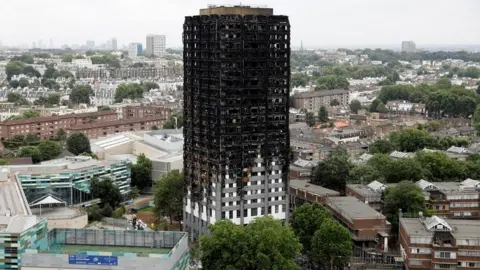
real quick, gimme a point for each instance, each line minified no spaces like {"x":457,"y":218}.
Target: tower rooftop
{"x":237,"y":10}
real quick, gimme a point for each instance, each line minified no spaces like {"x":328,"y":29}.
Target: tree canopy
{"x":333,"y":173}
{"x":355,"y":105}
{"x":49,"y":150}
{"x":332,"y":245}
{"x":407,"y":196}
{"x":170,"y":123}
{"x":323,"y":114}
{"x":78,"y":143}
{"x":106,"y":190}
{"x":81,"y":94}
{"x":133,"y":90}
{"x":263,"y":244}
{"x":142,"y":172}
{"x":168,"y":195}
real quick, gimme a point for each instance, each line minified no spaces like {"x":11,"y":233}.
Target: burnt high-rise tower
{"x":236,"y":89}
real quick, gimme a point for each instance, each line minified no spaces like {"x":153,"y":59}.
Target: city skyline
{"x":346,"y":23}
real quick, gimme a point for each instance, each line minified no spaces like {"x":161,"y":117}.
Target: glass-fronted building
{"x":72,"y":184}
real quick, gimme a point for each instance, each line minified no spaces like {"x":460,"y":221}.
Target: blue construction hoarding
{"x":92,"y":260}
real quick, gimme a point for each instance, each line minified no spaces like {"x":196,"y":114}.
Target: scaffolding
{"x":236,"y":91}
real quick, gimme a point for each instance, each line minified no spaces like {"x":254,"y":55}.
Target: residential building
{"x":20,"y":230}
{"x":47,"y":127}
{"x":405,"y":106}
{"x":312,"y":101}
{"x":135,"y":50}
{"x":109,"y":249}
{"x":237,"y":146}
{"x":408,"y":46}
{"x":114,"y":44}
{"x":436,"y":243}
{"x":453,"y":199}
{"x":163,"y":147}
{"x":302,"y":169}
{"x":143,"y":111}
{"x":156,"y":45}
{"x":97,"y":130}
{"x":69,"y":178}
{"x":368,"y":227}
{"x":370,"y":194}
{"x":302,"y":191}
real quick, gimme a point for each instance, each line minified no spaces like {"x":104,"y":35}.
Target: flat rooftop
{"x":81,"y":249}
{"x":352,"y":208}
{"x":365,"y":192}
{"x":236,"y":10}
{"x":461,"y":229}
{"x":311,"y":188}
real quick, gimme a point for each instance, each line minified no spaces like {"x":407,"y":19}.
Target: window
{"x":276,"y":209}
{"x":254,"y":212}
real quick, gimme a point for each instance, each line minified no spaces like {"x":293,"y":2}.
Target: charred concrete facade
{"x":236,"y":91}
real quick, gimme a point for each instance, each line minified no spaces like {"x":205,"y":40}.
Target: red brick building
{"x":96,"y":130}
{"x":368,"y":227}
{"x":48,"y":127}
{"x":436,"y":243}
{"x":143,"y":111}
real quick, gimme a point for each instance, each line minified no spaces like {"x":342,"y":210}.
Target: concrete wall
{"x":70,"y":223}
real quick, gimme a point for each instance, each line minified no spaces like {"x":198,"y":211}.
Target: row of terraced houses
{"x":94,"y":124}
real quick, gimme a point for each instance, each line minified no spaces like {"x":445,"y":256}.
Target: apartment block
{"x":156,"y":45}
{"x":368,"y":227}
{"x":303,"y":191}
{"x":143,"y":111}
{"x":312,"y":101}
{"x":48,"y":127}
{"x":453,"y":199}
{"x":436,"y":243}
{"x":97,"y":130}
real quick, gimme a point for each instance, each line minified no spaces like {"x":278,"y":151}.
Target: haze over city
{"x":348,"y":23}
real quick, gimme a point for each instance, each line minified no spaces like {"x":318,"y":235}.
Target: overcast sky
{"x":315,"y":22}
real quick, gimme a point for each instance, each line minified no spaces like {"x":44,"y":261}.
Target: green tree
{"x":142,"y":172}
{"x":128,"y":91}
{"x":168,"y":196}
{"x":94,"y":212}
{"x":31,"y":151}
{"x":31,"y":114}
{"x":49,"y":150}
{"x":147,"y":86}
{"x":332,"y":245}
{"x":310,"y":119}
{"x":3,"y":162}
{"x":61,"y":135}
{"x":23,"y":82}
{"x":106,"y":191}
{"x":14,"y":83}
{"x":53,"y":99}
{"x":306,"y":220}
{"x":14,"y":97}
{"x":323,"y":114}
{"x":81,"y":94}
{"x":67,"y":58}
{"x":478,"y":90}
{"x":14,"y":68}
{"x":78,"y":143}
{"x":49,"y":73}
{"x":444,"y":83}
{"x":134,"y":192}
{"x":334,"y":171}
{"x":170,"y":123}
{"x":355,"y":105}
{"x":381,"y":146}
{"x":407,"y":196}
{"x":410,"y":140}
{"x":263,"y":244}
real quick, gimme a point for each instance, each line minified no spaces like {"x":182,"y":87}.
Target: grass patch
{"x":147,"y":209}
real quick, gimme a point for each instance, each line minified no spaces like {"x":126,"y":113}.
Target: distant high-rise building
{"x":236,"y":91}
{"x":51,"y":44}
{"x":135,"y":49}
{"x":408,"y":46}
{"x":40,"y":44}
{"x":156,"y":45}
{"x":114,"y":44}
{"x":90,"y":44}
{"x":34,"y":45}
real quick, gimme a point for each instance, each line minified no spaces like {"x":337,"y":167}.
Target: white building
{"x":156,"y":45}
{"x":133,"y":49}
